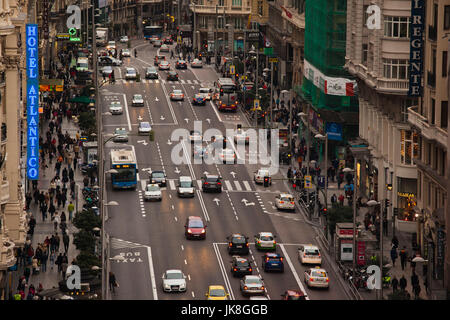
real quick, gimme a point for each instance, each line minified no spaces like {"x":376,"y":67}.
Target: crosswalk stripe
{"x":144,"y":81}
{"x":195,"y":81}
{"x":172,"y":184}
{"x":247,"y":186}
{"x":199,"y":183}
{"x":143,"y":184}
{"x":238,"y":186}
{"x":228,"y":184}
{"x":188,"y":81}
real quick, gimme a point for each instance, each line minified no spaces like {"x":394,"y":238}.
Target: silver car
{"x":174,"y":281}
{"x":252,"y":285}
{"x":164,"y":65}
{"x":152,"y":192}
{"x":130,"y":74}
{"x":126,"y":53}
{"x":144,"y":127}
{"x":120,"y":135}
{"x":196,"y":63}
{"x":115,"y":107}
{"x":177,"y":95}
{"x":138,"y":100}
{"x":107,"y":70}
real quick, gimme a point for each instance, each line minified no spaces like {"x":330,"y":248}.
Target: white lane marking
{"x":182,"y":248}
{"x":172,"y":184}
{"x":215,"y":110}
{"x":247,"y":186}
{"x":189,"y":277}
{"x":143,"y":184}
{"x":238,"y":186}
{"x":185,"y":262}
{"x":152,"y":273}
{"x":126,"y":109}
{"x":149,"y":113}
{"x":169,"y":104}
{"x":202,"y":204}
{"x":199,"y":184}
{"x":186,"y":153}
{"x":223,"y":271}
{"x":193,"y":296}
{"x":228,"y":184}
{"x":291,"y":266}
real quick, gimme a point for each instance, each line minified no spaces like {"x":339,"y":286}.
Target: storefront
{"x":406,"y":198}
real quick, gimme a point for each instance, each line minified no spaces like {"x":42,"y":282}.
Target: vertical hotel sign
{"x":416,"y":48}
{"x":32,"y":102}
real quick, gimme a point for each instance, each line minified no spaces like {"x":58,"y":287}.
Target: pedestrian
{"x":52,"y":260}
{"x":340,"y":179}
{"x":86,"y":181}
{"x":71,"y":208}
{"x":44,"y":211}
{"x":341,"y":199}
{"x":57,"y":241}
{"x":56,"y":221}
{"x":403,"y":257}
{"x":27,"y":273}
{"x":63,"y":198}
{"x":64,"y":265}
{"x":59,"y":261}
{"x":394,"y":241}
{"x":394,"y":284}
{"x":112,"y":281}
{"x":51,"y":210}
{"x":414,"y":279}
{"x":417,"y":290}
{"x":31,"y":225}
{"x":66,"y":241}
{"x":333,"y":199}
{"x":394,"y":255}
{"x":44,"y":259}
{"x":403,"y":283}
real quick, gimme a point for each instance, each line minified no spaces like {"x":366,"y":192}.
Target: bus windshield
{"x":152,"y":31}
{"x":124,"y":175}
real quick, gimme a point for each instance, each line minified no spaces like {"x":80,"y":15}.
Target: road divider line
{"x":170,"y":104}
{"x":152,"y":273}
{"x":202,"y":204}
{"x":291,"y":266}
{"x":126,"y":110}
{"x":223,"y":270}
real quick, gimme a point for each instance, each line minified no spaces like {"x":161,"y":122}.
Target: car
{"x":199,"y":99}
{"x":185,"y":187}
{"x":200,"y":151}
{"x":309,"y":254}
{"x":194,"y":136}
{"x":172,"y":75}
{"x":265,"y":241}
{"x":272,"y":262}
{"x":159,"y":58}
{"x":196,"y":63}
{"x":227,"y":156}
{"x":157,"y":43}
{"x":285,"y":201}
{"x":240,"y":266}
{"x":158,"y":177}
{"x":164,"y":65}
{"x":206,"y":92}
{"x":173,"y":280}
{"x":164,"y":48}
{"x":252,"y":284}
{"x":151,"y":73}
{"x":152,"y":192}
{"x":181,"y":64}
{"x":317,"y":277}
{"x":219,"y":141}
{"x":115,"y":107}
{"x":126,"y":53}
{"x":124,"y":39}
{"x":153,"y":38}
{"x":130,"y":74}
{"x":216,"y":292}
{"x":106,"y":71}
{"x":120,"y":135}
{"x":293,"y":295}
{"x":109,"y":61}
{"x":195,"y":228}
{"x":211,"y":183}
{"x":260,"y":174}
{"x":138,"y":100}
{"x":177,"y":95}
{"x":144,"y":127}
{"x":238,"y":244}
{"x":111,"y":45}
{"x":168,"y":40}
{"x":241,"y":136}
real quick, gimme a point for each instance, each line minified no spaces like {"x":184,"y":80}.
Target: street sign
{"x":274,"y":60}
{"x":72,"y":31}
{"x":179,"y":40}
{"x":256,"y":105}
{"x":268,"y":51}
{"x":232,"y":69}
{"x":308,"y":182}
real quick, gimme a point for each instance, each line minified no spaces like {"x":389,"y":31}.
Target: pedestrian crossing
{"x":150,"y":81}
{"x":227,"y":185}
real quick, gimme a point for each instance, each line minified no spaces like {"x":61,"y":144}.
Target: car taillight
{"x":311,"y":279}
{"x":292,"y":202}
{"x":246,"y":244}
{"x":281,"y":259}
{"x":304,"y":255}
{"x":245,"y":287}
{"x":230,"y":244}
{"x":189,"y":231}
{"x":234,"y":269}
{"x":250,"y":269}
{"x":267,"y":259}
{"x":219,"y":183}
{"x":281,"y":201}
{"x":328,"y":280}
{"x":274,"y":242}
{"x":319,"y":254}
{"x":206,"y":183}
{"x":259,"y":241}
{"x":262,"y":288}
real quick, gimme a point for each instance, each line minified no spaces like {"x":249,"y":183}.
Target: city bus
{"x":150,"y":31}
{"x":124,"y":161}
{"x":225,"y":95}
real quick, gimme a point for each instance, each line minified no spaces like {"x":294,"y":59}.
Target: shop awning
{"x":81,"y":99}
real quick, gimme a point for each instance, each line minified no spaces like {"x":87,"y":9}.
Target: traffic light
{"x":221,"y":92}
{"x":266,"y":182}
{"x":239,"y":126}
{"x":324,"y":211}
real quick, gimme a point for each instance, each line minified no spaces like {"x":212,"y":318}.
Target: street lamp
{"x":325,"y":137}
{"x":348,"y":170}
{"x":373,"y":203}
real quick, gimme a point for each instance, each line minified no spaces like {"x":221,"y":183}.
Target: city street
{"x":150,"y":235}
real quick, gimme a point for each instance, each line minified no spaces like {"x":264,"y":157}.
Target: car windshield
{"x":152,"y":188}
{"x":296,"y":297}
{"x":211,"y":179}
{"x":217,"y":293}
{"x":319,"y":274}
{"x":274,"y":258}
{"x":181,"y":61}
{"x":242,"y":263}
{"x":266,"y":238}
{"x":197,"y":223}
{"x":151,"y":70}
{"x":107,"y":68}
{"x":264,"y":173}
{"x":253,"y":281}
{"x":287,"y":199}
{"x":137,"y":96}
{"x":312,"y":252}
{"x":174,"y":275}
{"x":238,"y":240}
{"x":145,"y":125}
{"x":115,"y":104}
{"x":195,"y":133}
{"x":186,"y":184}
{"x":158,"y":175}
{"x":204,"y":90}
{"x":177,"y":91}
{"x":120,"y":131}
{"x":125,"y":50}
{"x":131,"y":71}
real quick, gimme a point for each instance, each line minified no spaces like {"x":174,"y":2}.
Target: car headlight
{"x":164,"y":180}
{"x":166,"y":286}
{"x":153,"y":181}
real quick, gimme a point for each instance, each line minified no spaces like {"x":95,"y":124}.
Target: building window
{"x":409,"y":146}
{"x":220,"y":23}
{"x":396,"y":69}
{"x":444,"y":114}
{"x":236,"y":3}
{"x":365,"y":15}
{"x":444,"y":63}
{"x":446,"y":17}
{"x":396,"y":27}
{"x":221,"y":3}
{"x":300,"y":6}
{"x":260,"y":7}
{"x":433,"y":111}
{"x":419,"y":184}
{"x":365,"y":49}
{"x":237,"y":23}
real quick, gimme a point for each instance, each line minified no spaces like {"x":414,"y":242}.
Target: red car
{"x":195,"y":228}
{"x":293,"y":295}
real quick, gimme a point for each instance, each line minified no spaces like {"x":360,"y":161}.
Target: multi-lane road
{"x":150,"y":235}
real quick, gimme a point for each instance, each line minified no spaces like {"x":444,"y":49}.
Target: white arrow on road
{"x":173,"y":87}
{"x":147,"y":169}
{"x":143,"y":142}
{"x":169,"y":142}
{"x":208,"y":120}
{"x":205,"y":173}
{"x":177,"y":170}
{"x":192,"y":87}
{"x":233,"y":174}
{"x":162,"y":118}
{"x":156,"y":99}
{"x":140,"y":118}
{"x":186,"y":119}
{"x":216,"y":201}
{"x":247,"y":203}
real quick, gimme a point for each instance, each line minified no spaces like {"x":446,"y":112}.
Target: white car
{"x":120,"y":135}
{"x":241,"y":136}
{"x":206,"y":92}
{"x":115,"y":107}
{"x":174,"y":281}
{"x":194,"y":136}
{"x":138,"y":100}
{"x":164,"y":65}
{"x":126,"y":53}
{"x":285,"y":201}
{"x":130,"y":74}
{"x":124,"y":39}
{"x":111,"y":45}
{"x":144,"y":127}
{"x":185,"y":187}
{"x":265,"y":241}
{"x":196,"y":63}
{"x":227,"y":156}
{"x":317,"y":277}
{"x":309,"y":254}
{"x":252,"y":284}
{"x":262,"y":173}
{"x":106,"y":71}
{"x":152,"y":192}
{"x":164,"y":48}
{"x":177,"y":95}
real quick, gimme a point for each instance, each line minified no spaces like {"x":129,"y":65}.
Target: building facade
{"x":13,"y":218}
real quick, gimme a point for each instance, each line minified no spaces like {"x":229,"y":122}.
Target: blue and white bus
{"x":150,"y":31}
{"x":124,"y":161}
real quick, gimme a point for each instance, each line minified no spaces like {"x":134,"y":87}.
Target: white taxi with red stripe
{"x":285,"y":201}
{"x":317,"y":277}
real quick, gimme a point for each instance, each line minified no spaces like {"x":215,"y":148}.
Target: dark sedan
{"x":181,"y":64}
{"x":172,"y":75}
{"x":211,"y":183}
{"x":240,"y":267}
{"x":158,"y":177}
{"x":199,"y":99}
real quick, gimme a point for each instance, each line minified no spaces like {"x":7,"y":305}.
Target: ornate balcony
{"x":4,"y":192}
{"x":7,"y":258}
{"x":429,"y":131}
{"x":229,"y":9}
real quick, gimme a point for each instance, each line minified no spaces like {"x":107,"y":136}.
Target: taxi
{"x":317,"y":277}
{"x":216,"y":293}
{"x":309,"y":254}
{"x":265,"y":241}
{"x":285,"y":201}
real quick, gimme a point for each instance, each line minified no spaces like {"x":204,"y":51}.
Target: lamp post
{"x":373,"y":203}
{"x":322,"y":137}
{"x":105,"y":275}
{"x":348,"y":170}
{"x":305,"y":118}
